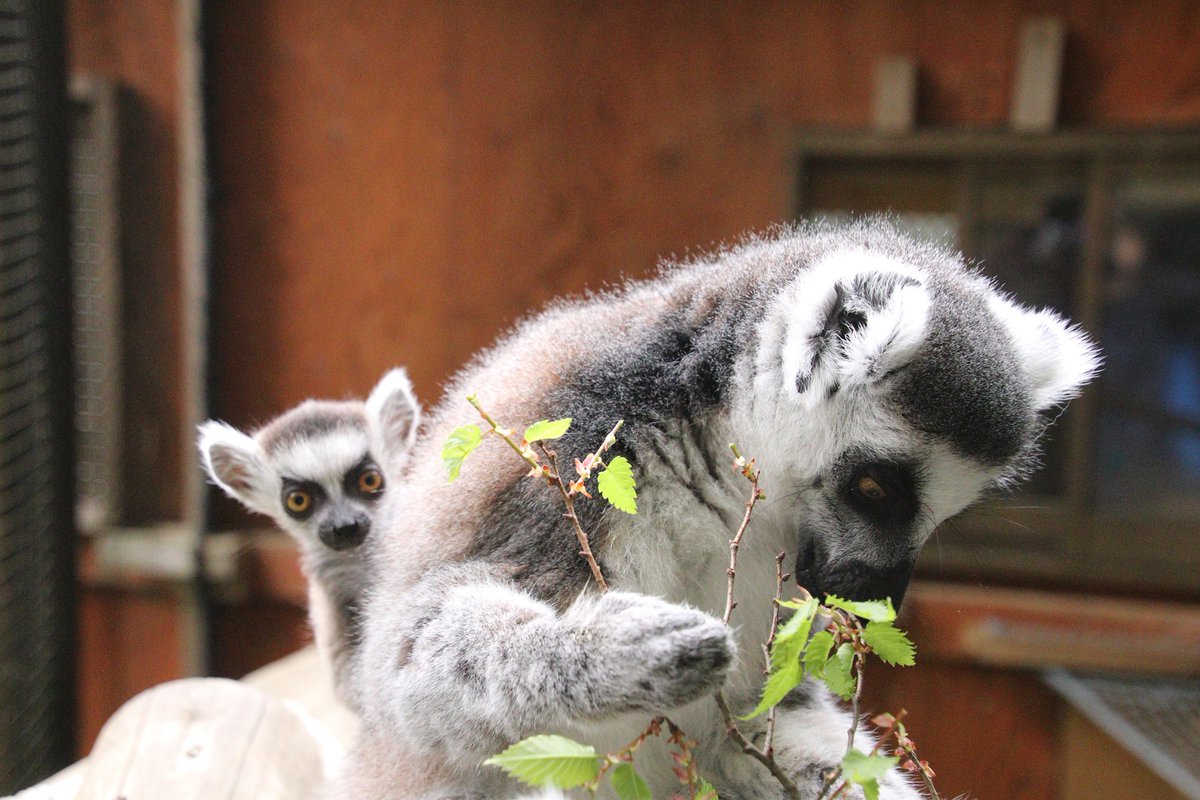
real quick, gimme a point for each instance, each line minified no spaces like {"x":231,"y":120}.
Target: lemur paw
{"x":650,"y":654}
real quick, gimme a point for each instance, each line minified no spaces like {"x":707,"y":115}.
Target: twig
{"x":859,"y":663}
{"x":585,"y":548}
{"x":764,"y":756}
{"x":768,"y":761}
{"x":551,"y":474}
{"x":524,"y":452}
{"x":736,"y":542}
{"x":768,"y":742}
{"x":585,"y":467}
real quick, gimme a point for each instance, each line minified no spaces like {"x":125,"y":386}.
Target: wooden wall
{"x":398,"y":181}
{"x":393,"y":183}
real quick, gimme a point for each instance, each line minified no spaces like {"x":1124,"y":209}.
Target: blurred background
{"x":220,"y":209}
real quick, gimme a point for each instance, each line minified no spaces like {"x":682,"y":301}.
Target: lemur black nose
{"x":343,"y":537}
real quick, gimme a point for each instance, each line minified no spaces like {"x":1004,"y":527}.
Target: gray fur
{"x":826,"y":353}
{"x":321,"y":447}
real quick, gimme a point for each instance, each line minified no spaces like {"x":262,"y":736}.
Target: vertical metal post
{"x":194,"y":255}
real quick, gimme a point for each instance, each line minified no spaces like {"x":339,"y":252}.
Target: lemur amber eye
{"x":869,"y":489}
{"x":370,"y":481}
{"x":298,"y":501}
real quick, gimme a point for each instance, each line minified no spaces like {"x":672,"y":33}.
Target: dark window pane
{"x":1028,"y":234}
{"x":1148,"y":451}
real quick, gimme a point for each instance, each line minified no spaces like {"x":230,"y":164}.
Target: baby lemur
{"x":320,"y":471}
{"x":880,"y":383}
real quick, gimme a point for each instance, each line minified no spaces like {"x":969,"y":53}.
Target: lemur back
{"x":320,"y":471}
{"x":882,"y":385}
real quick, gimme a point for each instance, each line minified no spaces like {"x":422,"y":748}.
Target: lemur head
{"x":899,"y":386}
{"x":319,"y":469}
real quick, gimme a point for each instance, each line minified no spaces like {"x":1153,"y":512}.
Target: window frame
{"x":1063,"y":538}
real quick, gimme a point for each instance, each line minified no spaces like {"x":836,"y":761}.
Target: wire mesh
{"x":36,"y":601}
{"x":1156,"y":719}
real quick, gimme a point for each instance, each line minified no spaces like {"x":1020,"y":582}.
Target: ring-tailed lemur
{"x":318,"y":470}
{"x":882,"y":385}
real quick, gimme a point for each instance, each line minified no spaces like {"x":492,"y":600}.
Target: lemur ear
{"x":394,"y":414}
{"x":854,"y":319}
{"x":1058,"y":357}
{"x":237,"y":464}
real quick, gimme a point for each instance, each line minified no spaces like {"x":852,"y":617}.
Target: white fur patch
{"x":890,"y":337}
{"x":1058,"y":357}
{"x":323,"y":459}
{"x":394,"y":415}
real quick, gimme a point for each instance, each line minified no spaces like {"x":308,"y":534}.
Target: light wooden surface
{"x":204,"y":739}
{"x":274,"y":735}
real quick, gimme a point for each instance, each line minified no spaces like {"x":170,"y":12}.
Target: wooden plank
{"x":895,"y":102}
{"x":1035,"y":96}
{"x":1036,"y":629}
{"x":988,"y":733}
{"x":1094,"y":767}
{"x":204,"y":738}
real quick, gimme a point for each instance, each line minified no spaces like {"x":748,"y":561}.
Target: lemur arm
{"x":467,"y":663}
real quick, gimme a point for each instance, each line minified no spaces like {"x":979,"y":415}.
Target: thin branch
{"x":731,"y":728}
{"x":736,"y":542}
{"x":585,"y":548}
{"x":768,"y":742}
{"x":860,"y":659}
{"x":524,"y":452}
{"x":585,"y":467}
{"x":763,"y":756}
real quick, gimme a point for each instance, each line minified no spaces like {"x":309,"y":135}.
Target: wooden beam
{"x":1035,"y":629}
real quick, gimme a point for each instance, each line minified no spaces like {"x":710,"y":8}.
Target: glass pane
{"x":1148,"y":451}
{"x":1028,"y":234}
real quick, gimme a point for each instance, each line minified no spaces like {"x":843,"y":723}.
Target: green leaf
{"x":628,"y":784}
{"x":866,"y":770}
{"x":792,"y":635}
{"x":549,"y":761}
{"x":786,"y":672}
{"x":859,"y":767}
{"x":546,"y":429}
{"x":779,"y":683}
{"x":460,"y":444}
{"x":890,"y":643}
{"x":873,"y":610}
{"x":817,"y":653}
{"x":617,"y":485}
{"x":839,"y":670}
{"x":705,"y":791}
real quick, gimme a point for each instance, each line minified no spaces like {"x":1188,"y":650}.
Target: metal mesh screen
{"x":36,"y":536}
{"x":1157,"y":719}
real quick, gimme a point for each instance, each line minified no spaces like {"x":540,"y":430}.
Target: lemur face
{"x":329,"y":483}
{"x":319,"y":469}
{"x":903,"y":394}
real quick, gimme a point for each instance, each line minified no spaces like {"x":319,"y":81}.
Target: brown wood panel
{"x":128,"y":642}
{"x":988,"y":733}
{"x":332,"y":180}
{"x":397,"y":182}
{"x":250,"y":634}
{"x":133,"y":42}
{"x":1095,"y":767}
